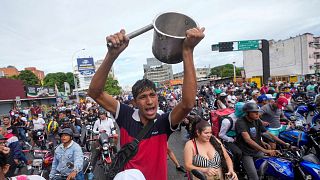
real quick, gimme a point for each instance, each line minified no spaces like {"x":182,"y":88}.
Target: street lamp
{"x":234,"y":72}
{"x":74,"y":77}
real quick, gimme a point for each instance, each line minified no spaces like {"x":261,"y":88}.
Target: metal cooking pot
{"x":170,"y":30}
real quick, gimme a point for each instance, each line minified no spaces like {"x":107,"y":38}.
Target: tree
{"x":29,"y":78}
{"x":59,"y":78}
{"x":112,"y":86}
{"x":225,"y":71}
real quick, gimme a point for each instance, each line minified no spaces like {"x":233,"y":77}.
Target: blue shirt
{"x":73,"y":153}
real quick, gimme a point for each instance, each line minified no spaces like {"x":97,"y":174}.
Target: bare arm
{"x":96,"y":90}
{"x":276,"y":139}
{"x":189,"y":89}
{"x":188,"y":155}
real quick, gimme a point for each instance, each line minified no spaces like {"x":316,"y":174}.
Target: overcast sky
{"x":47,"y":33}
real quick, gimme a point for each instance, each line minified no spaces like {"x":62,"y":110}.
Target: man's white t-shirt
{"x":106,"y":125}
{"x":38,"y":123}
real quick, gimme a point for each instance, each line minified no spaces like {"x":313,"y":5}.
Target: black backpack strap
{"x":145,"y":130}
{"x":230,"y":120}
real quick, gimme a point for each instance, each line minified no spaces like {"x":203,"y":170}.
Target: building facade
{"x":156,"y":71}
{"x":9,"y":71}
{"x":98,"y":63}
{"x":38,"y":73}
{"x":296,"y":56}
{"x":201,"y":73}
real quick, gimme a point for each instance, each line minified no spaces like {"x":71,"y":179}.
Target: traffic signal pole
{"x":249,"y":45}
{"x":265,"y":61}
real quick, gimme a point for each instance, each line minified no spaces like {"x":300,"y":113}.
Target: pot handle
{"x":136,"y":33}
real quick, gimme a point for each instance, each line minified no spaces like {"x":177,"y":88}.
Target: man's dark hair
{"x":141,"y":86}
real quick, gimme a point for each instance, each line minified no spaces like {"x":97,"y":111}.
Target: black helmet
{"x":250,"y":107}
{"x":66,"y":131}
{"x":65,"y":120}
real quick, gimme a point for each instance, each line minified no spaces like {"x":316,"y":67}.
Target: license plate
{"x":37,"y":162}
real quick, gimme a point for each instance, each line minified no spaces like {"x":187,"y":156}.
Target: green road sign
{"x":248,"y":45}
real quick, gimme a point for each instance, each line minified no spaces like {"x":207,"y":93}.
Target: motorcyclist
{"x":38,"y":124}
{"x":249,"y":130}
{"x":103,"y":125}
{"x":228,"y":134}
{"x":66,"y":123}
{"x":52,"y":129}
{"x":67,"y":152}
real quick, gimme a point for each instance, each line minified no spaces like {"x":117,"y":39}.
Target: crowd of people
{"x":148,"y":116}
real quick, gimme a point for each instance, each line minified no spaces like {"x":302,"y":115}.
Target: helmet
{"x":239,"y":109}
{"x":102,"y":111}
{"x":251,"y":107}
{"x":65,"y":120}
{"x":53,"y":127}
{"x":66,"y":131}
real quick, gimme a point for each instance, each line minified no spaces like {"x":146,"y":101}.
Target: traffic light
{"x":225,"y":46}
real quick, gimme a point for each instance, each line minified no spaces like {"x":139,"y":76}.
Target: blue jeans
{"x":80,"y":176}
{"x":22,"y":134}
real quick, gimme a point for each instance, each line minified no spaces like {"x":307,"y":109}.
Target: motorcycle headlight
{"x":39,"y":133}
{"x":105,"y":147}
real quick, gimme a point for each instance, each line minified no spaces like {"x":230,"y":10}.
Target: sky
{"x":49,"y":34}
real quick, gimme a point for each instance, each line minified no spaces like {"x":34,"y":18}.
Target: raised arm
{"x":96,"y":90}
{"x":189,"y":88}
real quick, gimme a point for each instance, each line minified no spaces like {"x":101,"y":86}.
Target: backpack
{"x":216,"y":118}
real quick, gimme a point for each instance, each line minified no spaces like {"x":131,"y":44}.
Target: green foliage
{"x":29,"y":78}
{"x":225,"y":71}
{"x":13,"y":77}
{"x":59,"y":78}
{"x":112,"y":86}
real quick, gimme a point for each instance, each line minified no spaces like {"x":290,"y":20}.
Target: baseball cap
{"x":282,"y":102}
{"x":223,"y":94}
{"x":255,"y":92}
{"x":133,"y":174}
{"x":262,"y":98}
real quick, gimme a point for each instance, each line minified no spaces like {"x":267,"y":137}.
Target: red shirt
{"x":151,"y":158}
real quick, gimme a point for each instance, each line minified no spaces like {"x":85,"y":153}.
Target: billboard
{"x":86,"y":66}
{"x":38,"y":91}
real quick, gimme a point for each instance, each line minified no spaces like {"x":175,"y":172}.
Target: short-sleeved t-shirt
{"x":254,"y":129}
{"x":271,"y":115}
{"x":151,"y":158}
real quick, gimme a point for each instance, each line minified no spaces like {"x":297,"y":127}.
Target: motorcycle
{"x":289,"y":165}
{"x":41,"y":163}
{"x":89,"y":135}
{"x":305,"y":108}
{"x":40,"y":140}
{"x":108,"y":149}
{"x":308,"y":140}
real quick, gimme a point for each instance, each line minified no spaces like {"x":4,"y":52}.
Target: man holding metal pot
{"x":151,"y":157}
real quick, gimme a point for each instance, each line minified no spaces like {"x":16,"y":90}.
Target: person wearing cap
{"x":263,"y":100}
{"x":255,"y":94}
{"x":271,"y":114}
{"x":228,"y":134}
{"x":221,"y":102}
{"x":249,"y":130}
{"x":67,"y":152}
